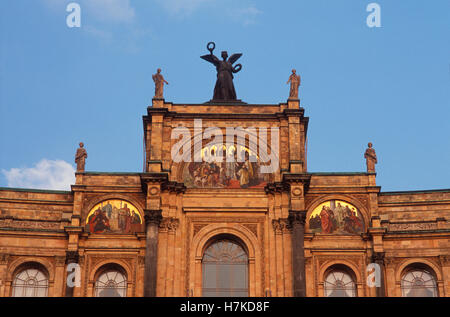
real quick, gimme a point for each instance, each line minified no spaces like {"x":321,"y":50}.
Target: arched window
{"x":111,"y":282}
{"x":339,"y":282}
{"x":418,"y":281}
{"x":30,"y":281}
{"x":225,"y":270}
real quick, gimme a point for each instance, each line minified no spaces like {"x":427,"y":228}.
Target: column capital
{"x":378,"y":257}
{"x":72,"y":257}
{"x":153,"y":216}
{"x":297,"y":217}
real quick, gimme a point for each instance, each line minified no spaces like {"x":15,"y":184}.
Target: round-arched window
{"x":31,"y":281}
{"x":339,"y":282}
{"x":111,"y":282}
{"x":225,"y":270}
{"x":418,"y":281}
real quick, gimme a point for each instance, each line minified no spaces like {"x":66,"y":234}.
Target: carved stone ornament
{"x":297,"y":217}
{"x":153,"y":216}
{"x":72,"y":257}
{"x":4,"y":258}
{"x":280,"y":225}
{"x":28,"y":224}
{"x":169,"y":224}
{"x":378,"y":257}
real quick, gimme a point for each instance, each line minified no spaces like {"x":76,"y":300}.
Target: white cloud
{"x":246,"y":15}
{"x":182,"y":7}
{"x":46,"y":174}
{"x":104,"y":35}
{"x":110,"y":10}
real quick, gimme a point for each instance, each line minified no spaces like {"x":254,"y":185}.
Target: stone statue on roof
{"x":224,"y":89}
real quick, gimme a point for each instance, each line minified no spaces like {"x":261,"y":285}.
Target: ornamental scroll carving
{"x":412,"y":226}
{"x":281,"y":225}
{"x":26,"y":224}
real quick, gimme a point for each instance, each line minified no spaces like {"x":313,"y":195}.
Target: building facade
{"x":190,"y":225}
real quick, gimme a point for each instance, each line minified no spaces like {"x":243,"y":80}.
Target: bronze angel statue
{"x":224,"y":89}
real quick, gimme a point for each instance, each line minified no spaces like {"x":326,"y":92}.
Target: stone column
{"x":378,"y":258}
{"x":297,"y":222}
{"x":152,"y":220}
{"x":71,"y":257}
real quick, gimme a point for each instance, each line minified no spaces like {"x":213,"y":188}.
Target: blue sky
{"x":388,"y":85}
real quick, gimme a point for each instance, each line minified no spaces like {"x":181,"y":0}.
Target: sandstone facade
{"x":272,"y":223}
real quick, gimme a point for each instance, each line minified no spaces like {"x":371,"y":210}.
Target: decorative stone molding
{"x":198,"y":227}
{"x":60,"y":260}
{"x":4,"y":258}
{"x":169,"y":224}
{"x":173,"y":187}
{"x":297,"y":217}
{"x":252,"y":227}
{"x":280,"y":225}
{"x":411,"y":226}
{"x":444,"y":260}
{"x":27,"y":224}
{"x":141,"y":260}
{"x":378,"y":257}
{"x":72,"y":257}
{"x":276,"y":187}
{"x":153,"y":216}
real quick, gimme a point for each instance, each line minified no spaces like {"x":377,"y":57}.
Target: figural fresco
{"x":337,"y":217}
{"x":114,"y":216}
{"x":240,"y":169}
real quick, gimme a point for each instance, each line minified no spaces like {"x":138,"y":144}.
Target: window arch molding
{"x":340,"y":264}
{"x":249,"y":242}
{"x":104,"y":266}
{"x":23,"y":264}
{"x":420,"y":263}
{"x":347,"y":198}
{"x":19,"y":263}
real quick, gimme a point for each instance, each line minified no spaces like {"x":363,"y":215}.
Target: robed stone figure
{"x":224,"y":89}
{"x":159,"y":84}
{"x":80,"y":158}
{"x":294,"y":79}
{"x":371,"y":158}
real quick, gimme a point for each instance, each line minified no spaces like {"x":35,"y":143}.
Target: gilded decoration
{"x":336,"y":217}
{"x":114,"y":216}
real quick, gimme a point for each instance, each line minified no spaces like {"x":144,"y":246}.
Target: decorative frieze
{"x":411,"y":226}
{"x":27,"y":224}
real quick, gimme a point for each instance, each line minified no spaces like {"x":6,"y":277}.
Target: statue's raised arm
{"x":224,"y":89}
{"x":211,"y":57}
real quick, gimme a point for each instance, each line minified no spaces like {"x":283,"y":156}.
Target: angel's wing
{"x":210,"y":58}
{"x":234,"y":57}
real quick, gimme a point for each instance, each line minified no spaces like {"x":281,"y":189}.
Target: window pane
{"x":419,"y":283}
{"x":339,"y":284}
{"x":225,"y":265}
{"x":30,"y":283}
{"x":111,"y":284}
